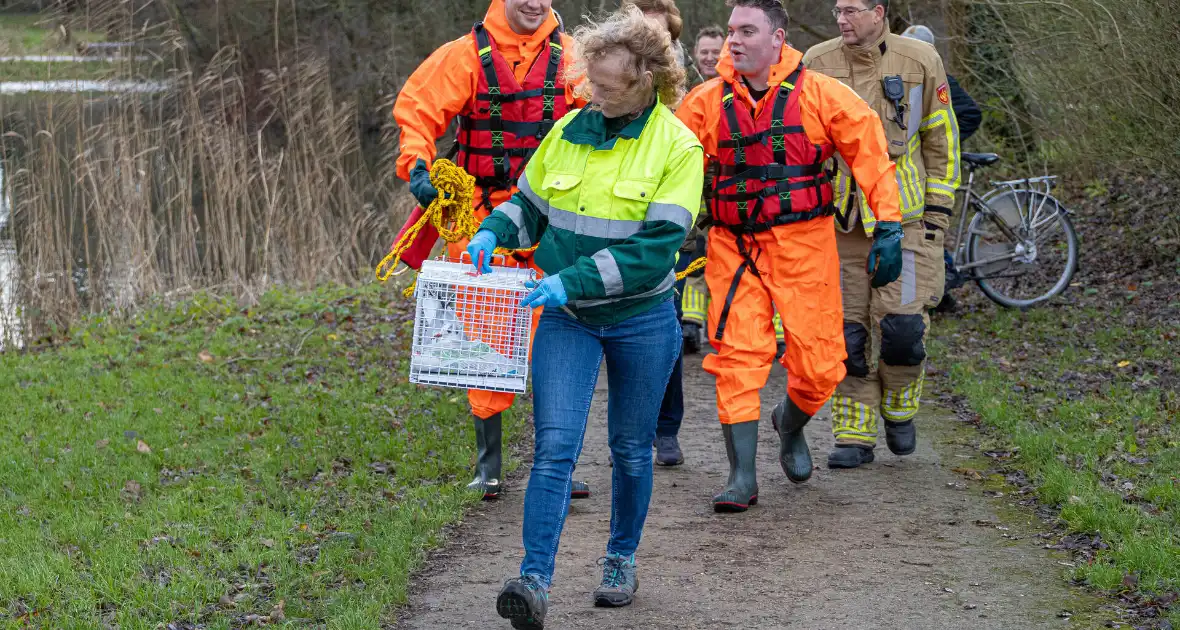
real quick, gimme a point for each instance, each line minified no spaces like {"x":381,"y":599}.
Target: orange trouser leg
{"x":747,"y":348}
{"x":803,"y":276}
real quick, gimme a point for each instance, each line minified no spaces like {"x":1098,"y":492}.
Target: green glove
{"x":420,"y":185}
{"x":885,"y":257}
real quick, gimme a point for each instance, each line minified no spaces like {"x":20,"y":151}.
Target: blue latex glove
{"x":482,"y":244}
{"x":884,"y":262}
{"x":420,"y":185}
{"x":548,"y":292}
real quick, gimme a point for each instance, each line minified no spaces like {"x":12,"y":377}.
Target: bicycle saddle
{"x":980,"y":159}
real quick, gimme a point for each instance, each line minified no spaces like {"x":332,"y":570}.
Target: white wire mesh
{"x":470,"y":331}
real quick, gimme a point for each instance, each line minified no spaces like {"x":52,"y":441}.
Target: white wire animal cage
{"x":470,"y":331}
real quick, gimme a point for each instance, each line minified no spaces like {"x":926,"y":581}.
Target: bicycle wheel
{"x":1024,"y":247}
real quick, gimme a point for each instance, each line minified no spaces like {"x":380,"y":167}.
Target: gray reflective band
{"x":608,"y":271}
{"x":583,"y":225}
{"x":523,"y":185}
{"x":514,"y":212}
{"x":669,"y":212}
{"x":909,"y":278}
{"x":916,"y":103}
{"x":665,"y":285}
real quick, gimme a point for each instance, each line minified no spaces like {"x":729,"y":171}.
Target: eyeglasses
{"x":848,"y":12}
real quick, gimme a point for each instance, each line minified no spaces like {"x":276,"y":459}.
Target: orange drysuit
{"x":798,"y":268}
{"x":444,"y":86}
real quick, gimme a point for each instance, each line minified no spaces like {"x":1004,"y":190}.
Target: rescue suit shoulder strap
{"x":484,"y":48}
{"x":495,"y":123}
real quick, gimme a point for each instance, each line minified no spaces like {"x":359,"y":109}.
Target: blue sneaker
{"x":524,"y":601}
{"x":618,"y":582}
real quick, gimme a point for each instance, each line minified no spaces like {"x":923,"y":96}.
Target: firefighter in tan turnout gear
{"x":903,"y":80}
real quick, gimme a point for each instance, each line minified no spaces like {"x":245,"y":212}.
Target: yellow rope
{"x":692,"y":266}
{"x":451,"y":214}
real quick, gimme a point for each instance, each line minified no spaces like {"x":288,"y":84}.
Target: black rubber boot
{"x":901,"y":437}
{"x":487,"y":469}
{"x":741,"y":446}
{"x":844,"y":456}
{"x":793,"y":454}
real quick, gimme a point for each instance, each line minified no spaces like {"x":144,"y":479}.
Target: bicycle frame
{"x":1041,"y":186}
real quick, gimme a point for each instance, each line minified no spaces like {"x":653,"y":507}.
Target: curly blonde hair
{"x":650,"y":46}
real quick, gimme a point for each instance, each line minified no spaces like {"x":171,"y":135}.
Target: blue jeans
{"x":640,"y":353}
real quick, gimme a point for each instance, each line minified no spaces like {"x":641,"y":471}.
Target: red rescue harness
{"x":770,"y":173}
{"x":498,"y":136}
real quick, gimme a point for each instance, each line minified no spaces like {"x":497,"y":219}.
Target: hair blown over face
{"x":649,"y":45}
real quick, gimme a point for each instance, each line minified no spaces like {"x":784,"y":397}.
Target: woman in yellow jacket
{"x":609,"y":196}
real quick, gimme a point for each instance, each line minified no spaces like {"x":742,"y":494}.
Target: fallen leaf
{"x":969,"y":473}
{"x":142,"y":447}
{"x":102,"y":443}
{"x":277,"y":614}
{"x":132,"y":490}
{"x":1123,"y":364}
{"x":205,"y":357}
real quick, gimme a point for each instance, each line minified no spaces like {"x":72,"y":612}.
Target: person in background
{"x":707,"y":51}
{"x":666,"y":15}
{"x":968,"y":114}
{"x":966,"y":110}
{"x":609,"y":196}
{"x":514,"y":52}
{"x":885,"y":327}
{"x":772,"y":125}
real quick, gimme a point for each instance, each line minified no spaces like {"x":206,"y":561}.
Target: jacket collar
{"x":788,"y":60}
{"x":869,"y":53}
{"x":589,"y":127}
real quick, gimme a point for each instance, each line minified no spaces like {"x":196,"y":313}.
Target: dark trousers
{"x":672,"y":408}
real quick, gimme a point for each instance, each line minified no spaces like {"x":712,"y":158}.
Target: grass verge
{"x":37,"y":34}
{"x":214,"y":466}
{"x":57,"y":70}
{"x":1084,"y":402}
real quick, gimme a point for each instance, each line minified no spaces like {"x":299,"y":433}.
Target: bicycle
{"x":1019,"y":241}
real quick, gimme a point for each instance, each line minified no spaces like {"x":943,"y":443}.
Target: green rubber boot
{"x":793,"y":454}
{"x":741,"y":446}
{"x":487,"y":469}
